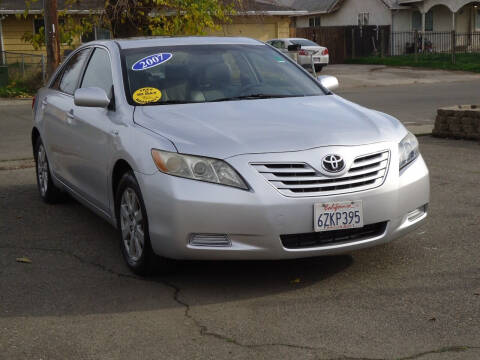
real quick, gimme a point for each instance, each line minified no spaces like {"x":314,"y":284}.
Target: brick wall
{"x":460,"y":122}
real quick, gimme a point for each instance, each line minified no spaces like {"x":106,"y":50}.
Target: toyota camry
{"x":222,"y":148}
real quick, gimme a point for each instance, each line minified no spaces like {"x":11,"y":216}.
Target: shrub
{"x":22,"y":86}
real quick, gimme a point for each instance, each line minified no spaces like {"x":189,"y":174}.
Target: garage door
{"x":261,"y":32}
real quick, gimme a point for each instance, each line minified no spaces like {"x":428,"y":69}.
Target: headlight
{"x":198,"y":168}
{"x":408,"y":150}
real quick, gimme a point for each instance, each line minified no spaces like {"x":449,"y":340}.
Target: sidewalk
{"x":355,"y":76}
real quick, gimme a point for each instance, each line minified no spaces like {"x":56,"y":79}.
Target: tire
{"x":318,"y":68}
{"x":132,"y":226}
{"x":47,"y":189}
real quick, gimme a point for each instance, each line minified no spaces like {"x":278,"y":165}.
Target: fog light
{"x":217,"y":240}
{"x":417,"y":213}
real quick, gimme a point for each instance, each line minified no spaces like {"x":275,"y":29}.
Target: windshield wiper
{"x":255,"y":96}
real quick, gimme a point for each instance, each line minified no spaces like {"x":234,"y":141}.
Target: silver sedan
{"x":222,"y":148}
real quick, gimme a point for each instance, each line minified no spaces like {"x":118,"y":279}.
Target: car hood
{"x":225,"y":129}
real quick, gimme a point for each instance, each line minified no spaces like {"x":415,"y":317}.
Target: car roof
{"x":140,"y":42}
{"x":288,"y":39}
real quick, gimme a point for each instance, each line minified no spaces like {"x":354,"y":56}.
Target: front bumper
{"x":254,"y":220}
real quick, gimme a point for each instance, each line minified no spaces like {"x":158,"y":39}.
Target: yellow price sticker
{"x":147,"y":95}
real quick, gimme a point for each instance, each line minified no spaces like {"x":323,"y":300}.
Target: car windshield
{"x":209,"y":73}
{"x":303,"y":42}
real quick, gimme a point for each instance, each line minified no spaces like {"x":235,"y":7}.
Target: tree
{"x":127,"y":18}
{"x":166,"y":17}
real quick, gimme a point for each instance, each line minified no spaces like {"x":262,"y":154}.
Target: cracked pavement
{"x":415,"y":298}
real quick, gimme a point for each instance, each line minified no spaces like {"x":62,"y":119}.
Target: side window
{"x":72,"y":72}
{"x":56,"y":83}
{"x":99,"y":72}
{"x":278,"y":44}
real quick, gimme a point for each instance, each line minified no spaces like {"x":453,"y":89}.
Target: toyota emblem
{"x":333,"y":163}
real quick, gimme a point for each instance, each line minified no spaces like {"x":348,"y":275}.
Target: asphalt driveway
{"x":415,"y":298}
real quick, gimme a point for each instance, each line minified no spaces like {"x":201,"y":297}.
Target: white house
{"x":401,"y":15}
{"x":433,"y":18}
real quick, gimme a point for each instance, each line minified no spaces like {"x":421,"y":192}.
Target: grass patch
{"x":465,"y":62}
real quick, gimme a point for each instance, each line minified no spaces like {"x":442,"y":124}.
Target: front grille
{"x":316,"y":239}
{"x":300,"y":179}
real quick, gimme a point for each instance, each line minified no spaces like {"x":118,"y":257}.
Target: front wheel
{"x":132,"y":221}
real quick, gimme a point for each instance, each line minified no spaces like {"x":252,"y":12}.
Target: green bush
{"x":22,"y":86}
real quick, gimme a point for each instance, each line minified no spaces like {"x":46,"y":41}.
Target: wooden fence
{"x":345,"y":42}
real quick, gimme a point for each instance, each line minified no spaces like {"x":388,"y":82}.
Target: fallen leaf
{"x":24,"y":260}
{"x":296,"y":281}
{"x":432,"y":319}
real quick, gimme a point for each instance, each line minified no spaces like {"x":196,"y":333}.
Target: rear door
{"x":57,"y":109}
{"x":93,"y":129}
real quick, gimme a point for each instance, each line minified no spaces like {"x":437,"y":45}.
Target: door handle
{"x":70,"y":117}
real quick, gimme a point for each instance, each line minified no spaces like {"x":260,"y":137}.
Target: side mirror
{"x":295,"y":47}
{"x":328,"y":82}
{"x":91,"y":97}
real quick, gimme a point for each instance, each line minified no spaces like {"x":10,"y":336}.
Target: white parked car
{"x":308,"y":50}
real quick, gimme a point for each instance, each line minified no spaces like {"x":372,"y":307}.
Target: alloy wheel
{"x":131,"y":223}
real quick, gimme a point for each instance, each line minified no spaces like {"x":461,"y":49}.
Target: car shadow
{"x":76,"y":266}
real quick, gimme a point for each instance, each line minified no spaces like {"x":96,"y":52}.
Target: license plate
{"x":316,"y":60}
{"x":338,"y":215}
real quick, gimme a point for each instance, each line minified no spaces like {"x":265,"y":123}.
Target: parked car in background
{"x":308,"y":51}
{"x":222,"y":148}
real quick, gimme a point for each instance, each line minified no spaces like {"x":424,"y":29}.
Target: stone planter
{"x":459,"y":122}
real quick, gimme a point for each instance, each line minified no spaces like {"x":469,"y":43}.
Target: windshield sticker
{"x":147,"y":95}
{"x":151,"y":61}
{"x":279,"y":59}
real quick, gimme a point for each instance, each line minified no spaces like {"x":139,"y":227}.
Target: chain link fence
{"x":21,"y":66}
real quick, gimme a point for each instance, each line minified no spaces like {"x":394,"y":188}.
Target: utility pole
{"x":52,"y":35}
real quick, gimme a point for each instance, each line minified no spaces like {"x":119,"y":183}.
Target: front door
{"x":93,"y":135}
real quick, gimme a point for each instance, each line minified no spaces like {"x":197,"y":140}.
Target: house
{"x":260,"y":19}
{"x":328,"y":13}
{"x":433,"y":19}
{"x":401,"y":15}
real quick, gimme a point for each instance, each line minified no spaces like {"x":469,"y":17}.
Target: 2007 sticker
{"x":151,"y":61}
{"x":146,"y":95}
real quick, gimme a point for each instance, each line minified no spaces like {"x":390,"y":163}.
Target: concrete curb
{"x":8,"y":101}
{"x":420,"y":130}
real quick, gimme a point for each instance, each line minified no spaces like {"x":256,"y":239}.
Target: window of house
{"x":477,"y":19}
{"x":417,"y":21}
{"x":363,"y":19}
{"x":37,"y":25}
{"x":98,"y":33}
{"x":314,"y":21}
